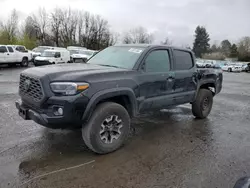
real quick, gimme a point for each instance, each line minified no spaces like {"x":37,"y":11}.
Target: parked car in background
{"x":232,"y":67}
{"x":82,"y":55}
{"x":39,"y":50}
{"x":246,"y":68}
{"x":14,"y":54}
{"x":76,"y":48}
{"x":55,"y":56}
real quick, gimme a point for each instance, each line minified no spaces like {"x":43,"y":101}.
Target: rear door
{"x":3,"y":54}
{"x":185,"y":73}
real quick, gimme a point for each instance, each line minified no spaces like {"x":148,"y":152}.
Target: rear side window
{"x":20,"y":49}
{"x":183,"y":60}
{"x":158,"y":61}
{"x":10,"y":49}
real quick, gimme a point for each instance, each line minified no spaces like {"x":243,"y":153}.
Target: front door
{"x":156,"y":81}
{"x":11,"y":55}
{"x":185,"y":82}
{"x":3,"y":54}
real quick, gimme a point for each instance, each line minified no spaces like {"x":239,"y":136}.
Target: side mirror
{"x":143,"y":67}
{"x":242,"y":183}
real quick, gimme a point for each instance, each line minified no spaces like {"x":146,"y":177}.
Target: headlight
{"x":68,"y":88}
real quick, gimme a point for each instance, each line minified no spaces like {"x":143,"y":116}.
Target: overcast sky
{"x":176,"y":19}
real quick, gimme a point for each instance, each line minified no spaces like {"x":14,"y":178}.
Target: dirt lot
{"x":166,"y":149}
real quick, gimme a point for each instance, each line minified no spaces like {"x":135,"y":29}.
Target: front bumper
{"x":71,"y":118}
{"x":41,"y":63}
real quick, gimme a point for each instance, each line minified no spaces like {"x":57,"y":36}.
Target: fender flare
{"x":109,"y":93}
{"x":210,"y":81}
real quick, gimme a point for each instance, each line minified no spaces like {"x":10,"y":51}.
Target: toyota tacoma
{"x":120,"y":82}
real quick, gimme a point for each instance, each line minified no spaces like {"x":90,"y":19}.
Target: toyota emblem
{"x":27,"y":85}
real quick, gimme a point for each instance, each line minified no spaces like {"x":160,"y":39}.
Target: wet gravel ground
{"x":166,"y":149}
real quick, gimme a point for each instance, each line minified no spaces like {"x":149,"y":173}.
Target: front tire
{"x":230,"y":70}
{"x":203,"y":103}
{"x":107,"y":129}
{"x":25,"y":62}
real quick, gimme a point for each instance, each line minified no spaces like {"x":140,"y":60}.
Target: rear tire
{"x":107,"y":129}
{"x":25,"y":62}
{"x":203,"y":103}
{"x":230,"y":70}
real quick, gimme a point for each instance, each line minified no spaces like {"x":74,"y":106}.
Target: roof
{"x":151,"y":46}
{"x":56,"y":50}
{"x":135,"y":45}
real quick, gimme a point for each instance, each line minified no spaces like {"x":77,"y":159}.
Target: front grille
{"x":30,"y":87}
{"x":42,"y":62}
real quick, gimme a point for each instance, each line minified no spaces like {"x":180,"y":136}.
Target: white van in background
{"x":82,"y":55}
{"x":40,"y":49}
{"x":55,"y":56}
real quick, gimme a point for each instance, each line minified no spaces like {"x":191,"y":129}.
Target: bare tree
{"x":244,"y":49}
{"x":138,"y":35}
{"x":94,"y":32}
{"x":69,"y":27}
{"x":10,"y":28}
{"x":56,"y":25}
{"x":29,"y":28}
{"x":167,"y":41}
{"x":61,"y":27}
{"x":41,"y":24}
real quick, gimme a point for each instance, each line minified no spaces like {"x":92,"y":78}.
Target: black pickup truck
{"x":118,"y":83}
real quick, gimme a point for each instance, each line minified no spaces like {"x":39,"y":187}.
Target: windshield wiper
{"x":111,"y":66}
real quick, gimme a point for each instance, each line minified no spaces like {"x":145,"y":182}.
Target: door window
{"x":183,"y":60}
{"x":20,"y":49}
{"x":10,"y":49}
{"x":158,"y":61}
{"x":57,"y":54}
{"x":3,"y":49}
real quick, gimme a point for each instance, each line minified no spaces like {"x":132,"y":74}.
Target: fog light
{"x":60,"y":111}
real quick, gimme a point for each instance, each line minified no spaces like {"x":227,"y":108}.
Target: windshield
{"x":73,"y":52}
{"x":40,"y":49}
{"x":89,"y":53}
{"x":119,"y":56}
{"x":48,"y":54}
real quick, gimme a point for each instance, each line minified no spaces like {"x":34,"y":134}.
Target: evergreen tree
{"x":226,"y":47}
{"x":214,"y":48}
{"x":201,"y":40}
{"x":234,"y":51}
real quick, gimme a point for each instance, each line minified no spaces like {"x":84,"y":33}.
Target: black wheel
{"x":229,"y":70}
{"x":107,"y":129}
{"x":25,"y":62}
{"x":203,"y":103}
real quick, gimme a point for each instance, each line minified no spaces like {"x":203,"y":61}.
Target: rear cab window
{"x":21,"y":49}
{"x":183,"y":60}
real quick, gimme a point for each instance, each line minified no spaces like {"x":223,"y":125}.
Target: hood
{"x":35,"y":53}
{"x":39,"y":58}
{"x":79,"y":56}
{"x":71,"y":71}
